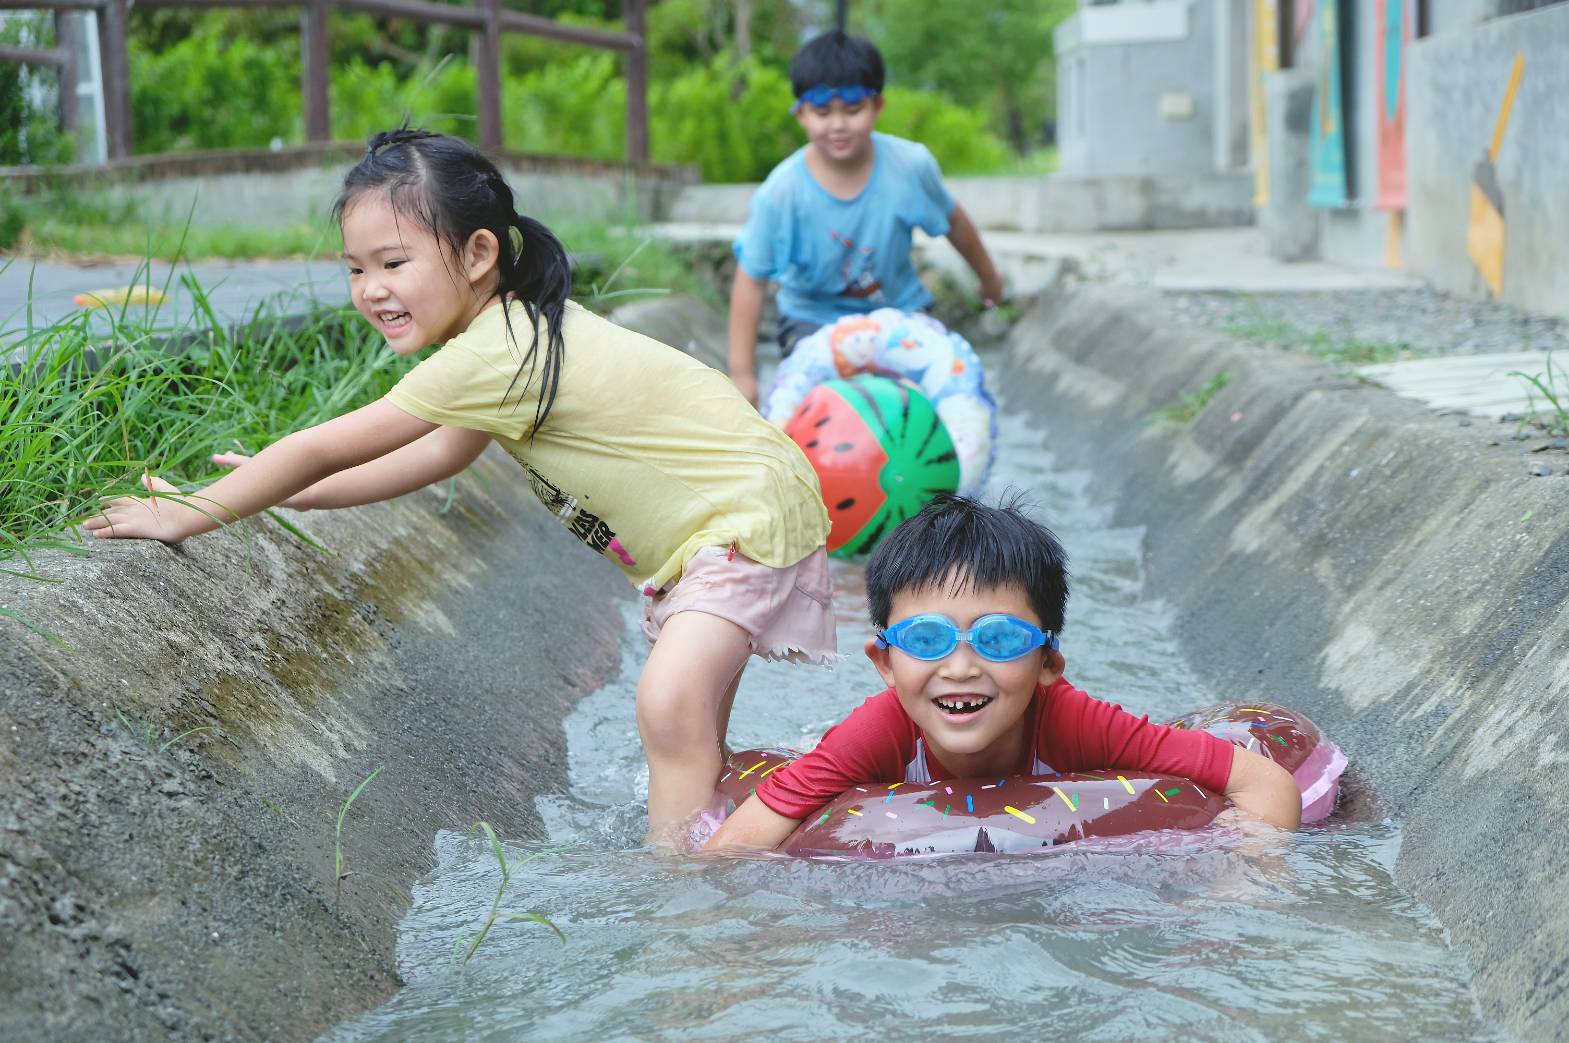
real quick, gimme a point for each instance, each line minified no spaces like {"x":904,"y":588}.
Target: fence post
{"x":114,"y":58}
{"x":313,"y":70}
{"x":66,"y":26}
{"x":487,"y":66}
{"x":637,"y":82}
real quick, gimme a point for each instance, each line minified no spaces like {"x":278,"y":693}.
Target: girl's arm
{"x":289,"y":465}
{"x":754,"y":825}
{"x":441,"y":454}
{"x":965,"y":238}
{"x":1263,"y":788}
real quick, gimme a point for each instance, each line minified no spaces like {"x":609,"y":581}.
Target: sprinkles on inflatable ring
{"x":1030,"y":812}
{"x":904,"y":346}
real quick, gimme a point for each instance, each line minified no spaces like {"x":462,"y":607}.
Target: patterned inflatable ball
{"x":880,"y":452}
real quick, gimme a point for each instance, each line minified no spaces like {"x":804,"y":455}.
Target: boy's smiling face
{"x":940,"y":695}
{"x":841,"y":132}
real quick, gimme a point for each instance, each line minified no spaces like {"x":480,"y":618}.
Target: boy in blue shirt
{"x":832,"y":223}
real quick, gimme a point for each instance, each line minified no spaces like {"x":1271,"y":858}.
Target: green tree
{"x":30,"y":132}
{"x":995,"y":56}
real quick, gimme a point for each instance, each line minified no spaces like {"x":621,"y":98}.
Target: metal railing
{"x":486,"y":18}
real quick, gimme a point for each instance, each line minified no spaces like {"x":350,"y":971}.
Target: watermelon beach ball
{"x":880,"y":452}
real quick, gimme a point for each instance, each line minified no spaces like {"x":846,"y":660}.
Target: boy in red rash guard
{"x":968,"y":601}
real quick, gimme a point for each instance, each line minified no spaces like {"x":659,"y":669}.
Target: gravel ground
{"x":1419,"y":321}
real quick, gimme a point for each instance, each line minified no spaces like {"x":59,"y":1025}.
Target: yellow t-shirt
{"x":648,"y":456}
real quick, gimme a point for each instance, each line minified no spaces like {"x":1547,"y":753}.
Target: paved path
{"x":1481,"y":385}
{"x":234,"y":289}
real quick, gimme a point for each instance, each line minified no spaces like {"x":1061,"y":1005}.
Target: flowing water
{"x":1214,"y":936}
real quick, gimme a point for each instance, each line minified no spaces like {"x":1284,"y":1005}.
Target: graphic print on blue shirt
{"x":860,"y":277}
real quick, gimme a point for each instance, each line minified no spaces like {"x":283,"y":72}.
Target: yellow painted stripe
{"x":854,"y":812}
{"x":1126,"y":784}
{"x":1162,"y":796}
{"x":1016,"y":813}
{"x":775,"y":768}
{"x":1064,"y":797}
{"x":753,"y":768}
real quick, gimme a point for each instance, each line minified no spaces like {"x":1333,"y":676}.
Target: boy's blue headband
{"x":820,"y":96}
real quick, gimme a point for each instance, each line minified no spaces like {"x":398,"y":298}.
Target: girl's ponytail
{"x":539,"y":275}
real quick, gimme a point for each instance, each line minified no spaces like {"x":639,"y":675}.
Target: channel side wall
{"x":1397,"y":576}
{"x":154,"y":889}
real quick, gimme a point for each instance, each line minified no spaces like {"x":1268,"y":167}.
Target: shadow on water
{"x":1215,"y":935}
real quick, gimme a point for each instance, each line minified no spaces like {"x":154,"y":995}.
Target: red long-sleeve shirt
{"x":879,"y":742}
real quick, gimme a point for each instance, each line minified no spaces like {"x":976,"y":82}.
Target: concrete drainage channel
{"x":1324,"y":543}
{"x":1342,"y":550}
{"x":154,"y":886}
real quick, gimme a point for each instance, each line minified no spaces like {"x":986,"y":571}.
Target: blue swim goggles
{"x":998,"y":637}
{"x":818,"y":97}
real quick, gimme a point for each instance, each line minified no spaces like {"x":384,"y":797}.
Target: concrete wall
{"x":1056,"y":203}
{"x":299,"y":185}
{"x":1154,"y":87}
{"x":1457,"y":82}
{"x":1399,"y":578}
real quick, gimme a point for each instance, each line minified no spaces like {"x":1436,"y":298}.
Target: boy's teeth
{"x":963,"y":704}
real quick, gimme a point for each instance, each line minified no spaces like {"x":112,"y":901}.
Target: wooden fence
{"x":486,"y":19}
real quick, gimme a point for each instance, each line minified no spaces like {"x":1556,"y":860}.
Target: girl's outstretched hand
{"x":153,"y":518}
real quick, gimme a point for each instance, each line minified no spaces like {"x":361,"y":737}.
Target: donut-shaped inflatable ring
{"x":905,"y":346}
{"x":1029,"y":812}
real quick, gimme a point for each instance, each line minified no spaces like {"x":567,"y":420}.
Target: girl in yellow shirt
{"x":648,"y":457}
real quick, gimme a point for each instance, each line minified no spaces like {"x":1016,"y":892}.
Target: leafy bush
{"x":570,"y":108}
{"x":367,"y":98}
{"x":212,"y":91}
{"x":957,"y":136}
{"x":734,"y":124}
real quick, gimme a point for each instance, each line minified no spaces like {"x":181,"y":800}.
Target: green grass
{"x":89,"y":404}
{"x":1545,"y":384}
{"x":1192,"y":403}
{"x":62,"y":224}
{"x":495,"y":906}
{"x":1260,"y":325}
{"x":1036,"y":161}
{"x":338,"y":872}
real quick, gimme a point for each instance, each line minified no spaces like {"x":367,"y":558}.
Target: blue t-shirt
{"x":834,"y":257}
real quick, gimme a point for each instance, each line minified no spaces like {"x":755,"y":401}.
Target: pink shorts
{"x":787,"y":613}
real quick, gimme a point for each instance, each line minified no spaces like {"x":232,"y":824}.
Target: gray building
{"x":1292,"y":90}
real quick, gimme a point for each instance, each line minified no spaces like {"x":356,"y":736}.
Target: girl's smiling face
{"x":971,"y":710}
{"x":406,"y":283}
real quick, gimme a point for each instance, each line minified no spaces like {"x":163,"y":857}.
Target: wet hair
{"x":452,"y":190}
{"x":836,"y":59}
{"x":966,"y":545}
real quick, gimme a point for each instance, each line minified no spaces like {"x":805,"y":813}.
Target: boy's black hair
{"x":450,"y":188}
{"x":957,"y":540}
{"x":836,"y":59}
